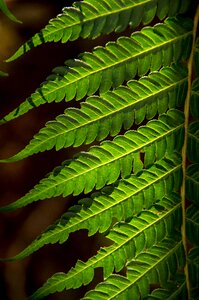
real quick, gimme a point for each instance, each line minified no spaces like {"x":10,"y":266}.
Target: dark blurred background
{"x":18,"y":229}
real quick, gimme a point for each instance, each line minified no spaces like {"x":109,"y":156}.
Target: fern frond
{"x":108,"y":67}
{"x":100,"y":116}
{"x":147,"y":268}
{"x":103,"y":164}
{"x":193,"y":260}
{"x":91,"y":18}
{"x":129,"y":240}
{"x":141,"y":176}
{"x":194,"y":106}
{"x":192,"y":224}
{"x":192,"y":183}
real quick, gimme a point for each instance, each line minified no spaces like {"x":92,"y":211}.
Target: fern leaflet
{"x":100,"y":116}
{"x":141,"y":272}
{"x":92,"y":18}
{"x":129,"y":240}
{"x":103,"y":164}
{"x":120,"y":202}
{"x":108,"y":67}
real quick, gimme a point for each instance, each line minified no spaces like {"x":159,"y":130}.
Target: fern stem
{"x":184,"y":151}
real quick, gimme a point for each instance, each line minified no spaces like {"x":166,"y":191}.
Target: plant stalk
{"x":184,"y":151}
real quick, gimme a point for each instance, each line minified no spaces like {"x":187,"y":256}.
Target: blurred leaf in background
{"x":7,"y":12}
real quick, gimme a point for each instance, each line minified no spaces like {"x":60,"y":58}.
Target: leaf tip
{"x":3,"y":74}
{"x":7,"y":208}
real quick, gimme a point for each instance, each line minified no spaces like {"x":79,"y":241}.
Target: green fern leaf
{"x":147,"y":268}
{"x":129,"y":240}
{"x":91,"y":18}
{"x":103,"y":164}
{"x":194,"y":107}
{"x":100,"y":116}
{"x":192,"y":183}
{"x":118,"y":61}
{"x":192,"y":224}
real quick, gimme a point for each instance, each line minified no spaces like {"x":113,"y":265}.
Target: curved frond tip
{"x":91,"y":18}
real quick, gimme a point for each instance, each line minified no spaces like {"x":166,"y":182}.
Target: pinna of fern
{"x":91,"y":18}
{"x":120,"y":201}
{"x":130,"y":239}
{"x":147,"y":264}
{"x":107,"y":114}
{"x":108,"y":67}
{"x":103,"y":164}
